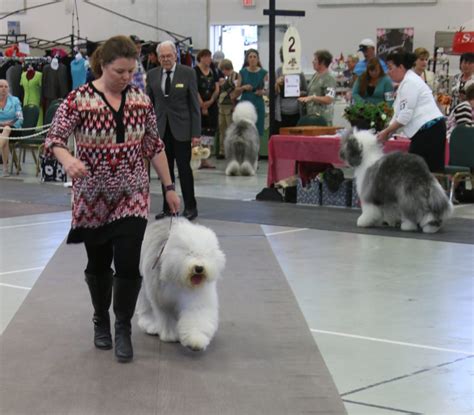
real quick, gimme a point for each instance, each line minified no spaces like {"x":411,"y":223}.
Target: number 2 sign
{"x":291,"y":52}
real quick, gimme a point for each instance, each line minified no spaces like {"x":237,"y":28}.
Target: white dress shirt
{"x":163,"y":77}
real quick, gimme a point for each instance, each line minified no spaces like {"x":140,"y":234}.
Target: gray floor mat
{"x":262,"y":361}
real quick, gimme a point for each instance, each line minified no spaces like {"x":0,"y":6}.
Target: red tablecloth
{"x":285,"y":150}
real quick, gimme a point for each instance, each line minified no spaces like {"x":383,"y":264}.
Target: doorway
{"x":234,"y":40}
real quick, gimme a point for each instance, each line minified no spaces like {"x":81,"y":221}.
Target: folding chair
{"x":461,"y":157}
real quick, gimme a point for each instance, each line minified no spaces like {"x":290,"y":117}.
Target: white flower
{"x":372,"y":123}
{"x":383,"y":116}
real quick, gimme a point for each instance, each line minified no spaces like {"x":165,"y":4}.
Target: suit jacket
{"x":181,"y":108}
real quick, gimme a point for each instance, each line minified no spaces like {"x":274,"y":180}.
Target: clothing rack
{"x":33,"y":59}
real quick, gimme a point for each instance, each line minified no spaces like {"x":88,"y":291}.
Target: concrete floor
{"x":393,"y":318}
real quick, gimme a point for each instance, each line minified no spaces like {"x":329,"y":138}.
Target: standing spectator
{"x":226,"y":101}
{"x":173,"y":91}
{"x":416,"y":112}
{"x":208,"y":89}
{"x":351,"y":62}
{"x":138,"y":79}
{"x":466,"y":65}
{"x":110,"y":183}
{"x":373,"y":86}
{"x":11,"y":116}
{"x":421,"y":63}
{"x":287,"y":109}
{"x":321,"y":88}
{"x":367,"y":47}
{"x":251,"y":84}
{"x":150,"y":61}
{"x":463,"y":113}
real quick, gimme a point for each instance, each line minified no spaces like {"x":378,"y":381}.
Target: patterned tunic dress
{"x":113,"y":198}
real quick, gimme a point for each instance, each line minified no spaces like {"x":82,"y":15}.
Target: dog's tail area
{"x":439,"y":209}
{"x":246,"y":169}
{"x":233,"y":168}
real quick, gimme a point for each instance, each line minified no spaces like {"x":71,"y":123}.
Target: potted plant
{"x":366,"y":116}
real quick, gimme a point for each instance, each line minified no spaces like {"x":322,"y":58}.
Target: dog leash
{"x":163,"y":247}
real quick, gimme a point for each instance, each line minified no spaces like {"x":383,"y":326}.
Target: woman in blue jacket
{"x":11,"y":116}
{"x":373,"y":86}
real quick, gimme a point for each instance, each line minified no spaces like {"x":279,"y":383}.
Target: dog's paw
{"x":197,"y":342}
{"x":408,"y":226}
{"x":148,"y":325}
{"x":168,"y":336}
{"x":364,"y":221}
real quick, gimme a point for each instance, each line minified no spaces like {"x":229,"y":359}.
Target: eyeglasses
{"x":166,"y":57}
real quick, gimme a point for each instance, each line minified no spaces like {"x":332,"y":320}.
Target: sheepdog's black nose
{"x":198,"y":269}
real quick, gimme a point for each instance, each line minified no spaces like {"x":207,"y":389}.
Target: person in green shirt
{"x":321,"y":88}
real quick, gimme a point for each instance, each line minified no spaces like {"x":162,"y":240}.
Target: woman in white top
{"x":416,"y":112}
{"x":421,"y":63}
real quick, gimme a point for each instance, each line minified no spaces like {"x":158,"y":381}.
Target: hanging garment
{"x":78,"y":72}
{"x":54,"y":84}
{"x":32,"y":91}
{"x":13,"y":78}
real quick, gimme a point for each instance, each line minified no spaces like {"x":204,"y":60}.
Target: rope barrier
{"x":27,"y":137}
{"x":28,"y":128}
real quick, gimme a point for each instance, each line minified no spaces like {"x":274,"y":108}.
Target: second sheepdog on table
{"x":242,"y":141}
{"x":396,"y":188}
{"x":179,"y":300}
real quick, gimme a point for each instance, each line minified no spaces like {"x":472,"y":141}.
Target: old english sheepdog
{"x":179,"y":300}
{"x":242,"y":142}
{"x":395,"y":188}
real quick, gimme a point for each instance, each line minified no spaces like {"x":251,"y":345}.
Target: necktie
{"x":167,"y":83}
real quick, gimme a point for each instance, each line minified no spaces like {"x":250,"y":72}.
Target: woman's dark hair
{"x":202,"y":53}
{"x":364,"y":78}
{"x":114,"y":48}
{"x":467,"y":57}
{"x":407,"y":59}
{"x":247,"y":53}
{"x":324,"y":57}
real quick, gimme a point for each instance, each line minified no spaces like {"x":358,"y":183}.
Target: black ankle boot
{"x":125,"y":298}
{"x":100,"y":287}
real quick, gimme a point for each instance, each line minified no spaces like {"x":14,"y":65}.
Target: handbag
{"x":52,"y":170}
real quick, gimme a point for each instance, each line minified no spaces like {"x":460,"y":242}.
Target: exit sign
{"x":248,"y":3}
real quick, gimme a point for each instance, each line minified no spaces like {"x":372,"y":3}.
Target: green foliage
{"x":366,"y":116}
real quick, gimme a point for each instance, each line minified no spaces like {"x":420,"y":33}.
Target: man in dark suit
{"x":173,"y":91}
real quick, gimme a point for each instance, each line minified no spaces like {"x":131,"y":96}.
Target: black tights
{"x":123,"y":250}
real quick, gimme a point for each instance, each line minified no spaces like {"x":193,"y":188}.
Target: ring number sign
{"x":291,"y":52}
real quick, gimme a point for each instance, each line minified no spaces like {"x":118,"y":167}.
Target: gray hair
{"x":166,"y":43}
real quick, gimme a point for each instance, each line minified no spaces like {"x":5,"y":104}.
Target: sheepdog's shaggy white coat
{"x":179,"y":299}
{"x":395,"y":188}
{"x":242,"y":141}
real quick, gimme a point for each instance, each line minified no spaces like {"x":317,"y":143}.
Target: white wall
{"x":185,"y":17}
{"x":338,"y":29}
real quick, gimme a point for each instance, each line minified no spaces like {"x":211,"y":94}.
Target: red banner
{"x":463,"y":42}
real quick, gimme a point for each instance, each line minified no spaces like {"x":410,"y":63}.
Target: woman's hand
{"x":173,"y":201}
{"x":383,"y":136}
{"x":195,"y":141}
{"x":6,"y":130}
{"x":307,"y":99}
{"x":74,"y":167}
{"x":260,"y":92}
